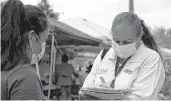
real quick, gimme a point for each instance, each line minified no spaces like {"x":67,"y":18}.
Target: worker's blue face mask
{"x":128,"y":50}
{"x":36,"y":57}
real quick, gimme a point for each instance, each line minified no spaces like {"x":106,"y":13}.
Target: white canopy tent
{"x":89,"y":28}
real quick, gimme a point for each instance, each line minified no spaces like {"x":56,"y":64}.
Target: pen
{"x":103,"y":81}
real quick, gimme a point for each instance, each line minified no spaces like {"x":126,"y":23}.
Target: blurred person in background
{"x":88,"y":68}
{"x":63,"y":77}
{"x":132,"y":63}
{"x":166,"y":90}
{"x":24,"y":30}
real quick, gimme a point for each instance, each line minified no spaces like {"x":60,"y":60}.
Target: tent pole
{"x":54,"y":59}
{"x":131,"y":6}
{"x":51,"y":64}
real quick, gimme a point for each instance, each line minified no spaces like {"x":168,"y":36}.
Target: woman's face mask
{"x":126,"y":51}
{"x":36,"y":57}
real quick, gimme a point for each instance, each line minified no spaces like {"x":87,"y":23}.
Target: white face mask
{"x":125,"y":51}
{"x":36,"y":57}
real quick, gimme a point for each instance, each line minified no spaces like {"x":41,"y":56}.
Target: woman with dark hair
{"x":132,"y":63}
{"x":24,"y":30}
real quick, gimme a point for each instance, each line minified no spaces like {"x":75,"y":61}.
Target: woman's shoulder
{"x":145,"y":54}
{"x":148,"y":52}
{"x":24,"y":77}
{"x":150,"y":56}
{"x":22,"y":72}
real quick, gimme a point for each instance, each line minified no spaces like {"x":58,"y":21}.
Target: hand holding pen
{"x":103,"y":83}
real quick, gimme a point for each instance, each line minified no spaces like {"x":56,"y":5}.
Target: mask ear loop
{"x":38,"y":38}
{"x":31,"y":45}
{"x":113,"y":42}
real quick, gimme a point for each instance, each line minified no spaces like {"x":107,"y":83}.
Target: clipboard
{"x":105,"y":94}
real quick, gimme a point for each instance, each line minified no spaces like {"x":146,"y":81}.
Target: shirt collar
{"x":137,"y":56}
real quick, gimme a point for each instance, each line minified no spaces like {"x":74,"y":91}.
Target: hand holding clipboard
{"x":104,"y":93}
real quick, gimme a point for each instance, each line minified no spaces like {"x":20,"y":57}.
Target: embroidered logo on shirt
{"x":128,"y":71}
{"x":102,"y":70}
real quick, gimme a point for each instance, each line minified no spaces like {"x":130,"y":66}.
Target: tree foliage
{"x":163,"y":36}
{"x":46,"y":7}
{"x":2,"y":3}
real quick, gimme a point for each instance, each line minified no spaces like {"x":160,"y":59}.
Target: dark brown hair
{"x":16,"y":19}
{"x":148,"y":39}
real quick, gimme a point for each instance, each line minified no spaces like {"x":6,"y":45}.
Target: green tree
{"x":2,"y":3}
{"x":169,"y":37}
{"x":159,"y":33}
{"x":163,"y":37}
{"x":169,"y":32}
{"x":46,"y":7}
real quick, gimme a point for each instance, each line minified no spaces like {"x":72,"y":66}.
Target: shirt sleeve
{"x":149,"y":81}
{"x":90,"y":79}
{"x":24,"y":84}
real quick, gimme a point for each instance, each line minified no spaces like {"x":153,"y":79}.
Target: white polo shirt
{"x":143,"y":73}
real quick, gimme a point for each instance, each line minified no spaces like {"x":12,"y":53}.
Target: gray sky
{"x":102,"y":12}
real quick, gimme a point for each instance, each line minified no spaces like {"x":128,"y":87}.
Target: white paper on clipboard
{"x":105,"y":94}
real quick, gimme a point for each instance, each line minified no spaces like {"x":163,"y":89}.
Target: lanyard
{"x":118,"y":69}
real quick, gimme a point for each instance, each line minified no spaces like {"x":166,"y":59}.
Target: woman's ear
{"x":31,"y":37}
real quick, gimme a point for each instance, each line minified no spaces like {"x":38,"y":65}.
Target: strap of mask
{"x":37,"y":38}
{"x":31,"y":45}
